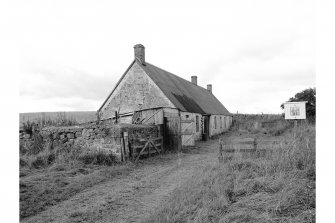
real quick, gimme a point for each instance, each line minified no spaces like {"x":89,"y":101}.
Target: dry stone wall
{"x":102,"y":136}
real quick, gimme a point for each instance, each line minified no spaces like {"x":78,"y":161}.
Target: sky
{"x":256,"y":54}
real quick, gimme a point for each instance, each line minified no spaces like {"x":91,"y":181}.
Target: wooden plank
{"x":149,"y":148}
{"x":141,"y":146}
{"x":152,"y":152}
{"x":137,"y":146}
{"x":142,"y":151}
{"x":159,"y":118}
{"x":183,"y":128}
{"x":126,"y":144}
{"x":185,"y":142}
{"x":152,"y":139}
{"x":154,"y":146}
{"x":158,"y":138}
{"x":245,"y":140}
{"x":187,"y":121}
{"x":145,"y":119}
{"x":122,"y":150}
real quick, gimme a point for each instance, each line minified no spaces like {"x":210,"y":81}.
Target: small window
{"x":197,"y":123}
{"x":215,"y":122}
{"x":187,"y":116}
{"x":220,"y":122}
{"x":224,"y":122}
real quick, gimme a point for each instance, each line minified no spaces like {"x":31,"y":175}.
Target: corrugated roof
{"x":185,"y":95}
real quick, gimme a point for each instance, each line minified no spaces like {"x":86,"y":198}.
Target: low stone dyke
{"x":94,"y":136}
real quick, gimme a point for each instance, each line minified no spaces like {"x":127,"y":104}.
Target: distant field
{"x":79,"y":116}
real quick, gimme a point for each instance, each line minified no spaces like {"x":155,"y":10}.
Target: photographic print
{"x":166,"y":111}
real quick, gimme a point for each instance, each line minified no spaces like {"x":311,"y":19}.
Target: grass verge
{"x":277,"y":187}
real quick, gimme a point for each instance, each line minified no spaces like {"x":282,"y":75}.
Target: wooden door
{"x":206,"y":128}
{"x":171,"y":138}
{"x":187,"y":132}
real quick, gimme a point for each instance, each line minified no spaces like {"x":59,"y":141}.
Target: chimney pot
{"x":209,"y":88}
{"x":139,"y":51}
{"x":194,"y":80}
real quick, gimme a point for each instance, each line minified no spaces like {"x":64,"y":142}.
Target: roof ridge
{"x":179,"y":77}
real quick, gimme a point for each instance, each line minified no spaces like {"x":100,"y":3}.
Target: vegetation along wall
{"x":104,"y":137}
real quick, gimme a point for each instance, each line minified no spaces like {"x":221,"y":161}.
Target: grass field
{"x":278,"y":186}
{"x":54,"y":117}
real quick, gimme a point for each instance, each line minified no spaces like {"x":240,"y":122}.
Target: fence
{"x":245,"y":146}
{"x":133,"y":149}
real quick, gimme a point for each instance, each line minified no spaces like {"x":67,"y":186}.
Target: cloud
{"x":255,"y":53}
{"x":44,"y":83}
{"x":32,"y":104}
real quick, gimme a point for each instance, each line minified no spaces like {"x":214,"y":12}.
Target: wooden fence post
{"x":122,"y":149}
{"x":220,"y":151}
{"x":255,"y":144}
{"x":126,"y":145}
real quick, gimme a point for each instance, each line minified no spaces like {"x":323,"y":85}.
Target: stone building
{"x":146,"y":94}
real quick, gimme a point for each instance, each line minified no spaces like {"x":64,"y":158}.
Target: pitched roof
{"x":185,"y":95}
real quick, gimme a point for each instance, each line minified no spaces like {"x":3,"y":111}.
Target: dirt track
{"x":132,"y":197}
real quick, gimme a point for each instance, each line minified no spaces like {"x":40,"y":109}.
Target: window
{"x":220,"y":122}
{"x":215,"y":122}
{"x":197,"y":123}
{"x":224,"y":122}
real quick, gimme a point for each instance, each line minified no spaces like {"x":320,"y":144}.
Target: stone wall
{"x":102,"y":136}
{"x":136,"y":91}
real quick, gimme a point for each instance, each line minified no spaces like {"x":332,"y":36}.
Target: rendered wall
{"x":222,"y":125}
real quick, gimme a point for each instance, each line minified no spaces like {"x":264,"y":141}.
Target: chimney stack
{"x":194,"y":80}
{"x":140,"y":53}
{"x":209,"y":88}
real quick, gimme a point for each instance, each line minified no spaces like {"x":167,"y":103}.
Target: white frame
{"x":295,"y":110}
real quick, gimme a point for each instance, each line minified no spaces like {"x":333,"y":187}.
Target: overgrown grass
{"x":278,"y":187}
{"x":274,"y":125}
{"x":66,"y":155}
{"x":51,"y":175}
{"x":59,"y":119}
{"x":46,"y":186}
{"x":40,"y":190}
